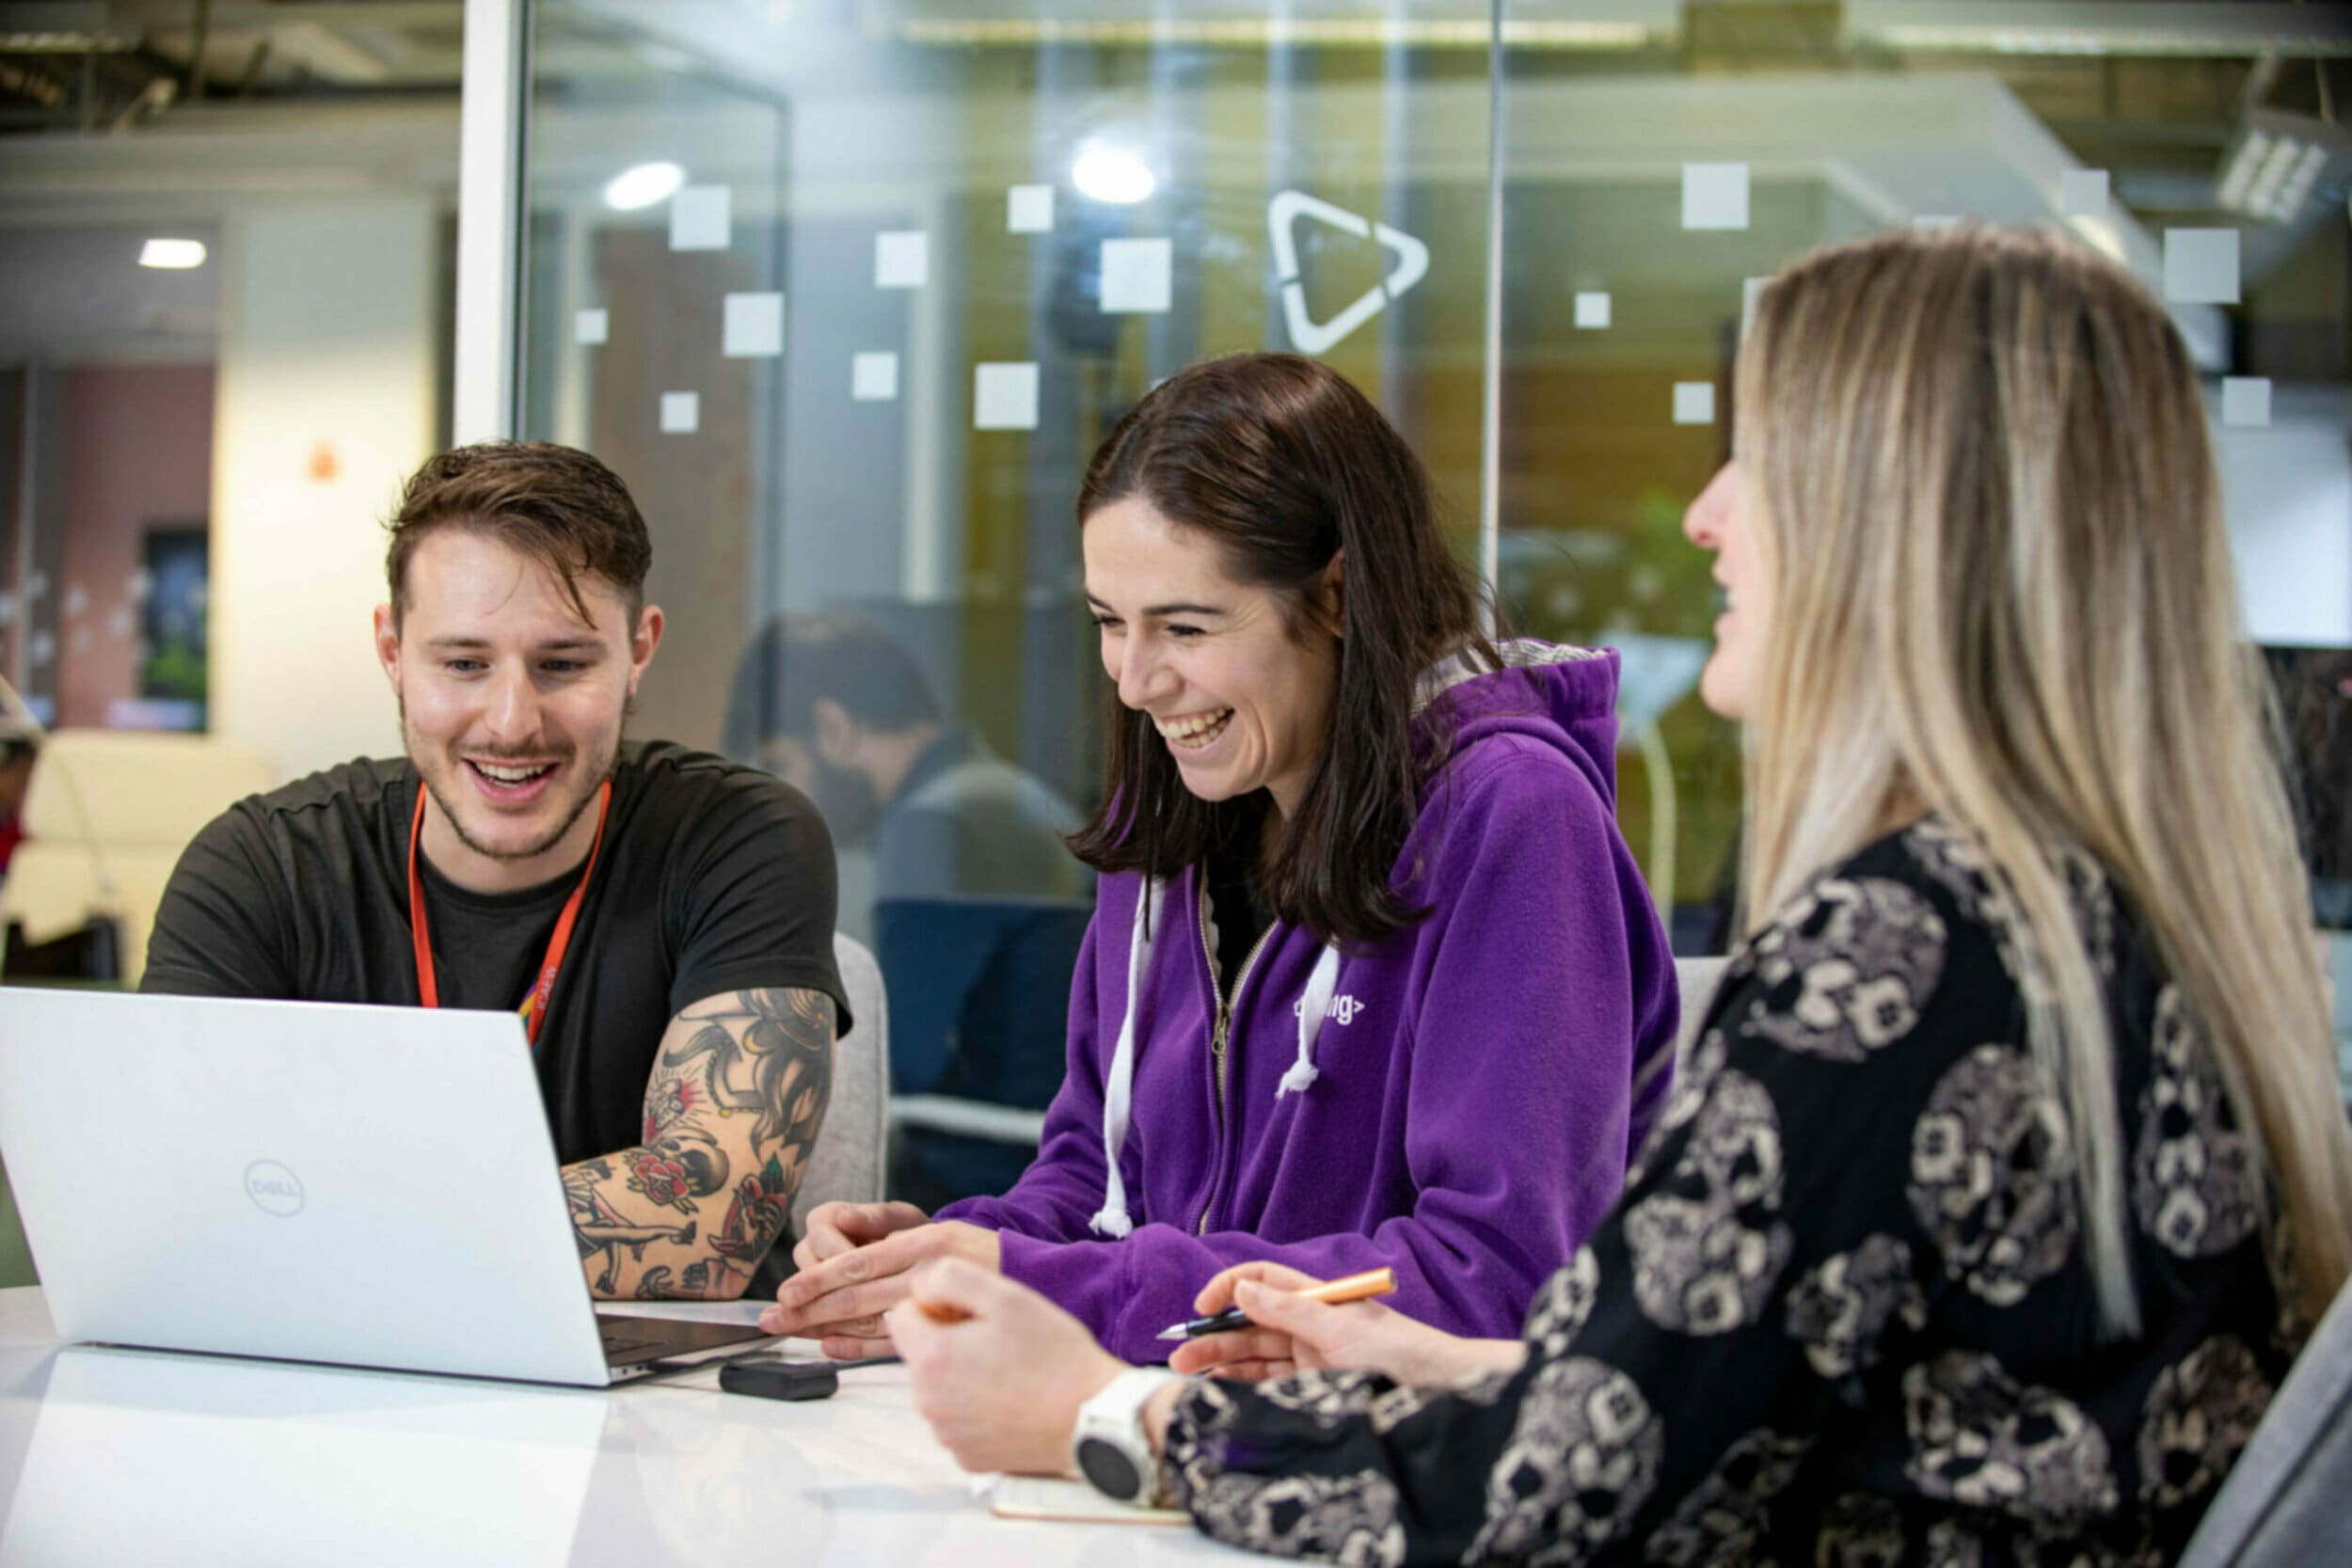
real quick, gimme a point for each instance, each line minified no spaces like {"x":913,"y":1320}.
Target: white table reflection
{"x":111,"y":1456}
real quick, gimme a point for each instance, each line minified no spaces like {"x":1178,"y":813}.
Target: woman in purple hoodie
{"x":1371,"y":980}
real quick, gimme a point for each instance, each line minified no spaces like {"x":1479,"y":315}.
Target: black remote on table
{"x":780,"y":1380}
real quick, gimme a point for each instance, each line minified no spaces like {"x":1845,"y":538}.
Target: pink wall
{"x":138,"y":451}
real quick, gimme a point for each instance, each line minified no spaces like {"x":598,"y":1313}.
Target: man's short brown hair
{"x":557,"y":505}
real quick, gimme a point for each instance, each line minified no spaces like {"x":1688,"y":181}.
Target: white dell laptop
{"x":363,"y":1186}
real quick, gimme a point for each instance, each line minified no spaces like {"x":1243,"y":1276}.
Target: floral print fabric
{"x":1841,"y":1313}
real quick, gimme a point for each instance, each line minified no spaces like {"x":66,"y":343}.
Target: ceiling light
{"x":2252,"y":151}
{"x":1112,"y":174}
{"x":2279,"y":161}
{"x":174,"y":254}
{"x":643,"y":186}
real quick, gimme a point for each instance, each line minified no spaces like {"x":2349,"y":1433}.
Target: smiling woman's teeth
{"x":1193,"y":731}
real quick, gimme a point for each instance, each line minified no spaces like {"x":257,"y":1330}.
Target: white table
{"x":110,"y":1456}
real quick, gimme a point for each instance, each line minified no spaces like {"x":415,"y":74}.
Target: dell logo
{"x":273,"y":1188}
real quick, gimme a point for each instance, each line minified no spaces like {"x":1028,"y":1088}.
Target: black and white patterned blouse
{"x":1842,"y":1314}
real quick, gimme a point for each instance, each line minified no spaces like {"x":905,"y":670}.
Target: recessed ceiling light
{"x":643,"y":186}
{"x":173,"y":254}
{"x":1112,"y":174}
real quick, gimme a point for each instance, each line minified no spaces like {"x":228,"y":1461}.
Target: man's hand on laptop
{"x":842,"y":1291}
{"x":737,"y":1092}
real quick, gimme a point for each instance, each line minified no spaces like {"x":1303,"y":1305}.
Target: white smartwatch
{"x":1112,"y":1449}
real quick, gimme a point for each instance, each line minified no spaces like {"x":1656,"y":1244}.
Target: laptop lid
{"x":371,"y":1186}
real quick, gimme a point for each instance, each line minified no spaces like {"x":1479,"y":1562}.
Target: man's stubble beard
{"x":413,"y":744}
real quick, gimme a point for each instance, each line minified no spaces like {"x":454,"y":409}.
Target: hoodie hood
{"x":1560,"y":697}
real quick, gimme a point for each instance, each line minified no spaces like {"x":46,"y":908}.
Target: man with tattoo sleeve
{"x":661,"y":919}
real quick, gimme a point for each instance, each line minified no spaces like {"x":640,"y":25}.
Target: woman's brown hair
{"x":1285,"y":465}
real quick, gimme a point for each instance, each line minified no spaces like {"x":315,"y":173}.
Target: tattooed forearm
{"x":733,"y":1108}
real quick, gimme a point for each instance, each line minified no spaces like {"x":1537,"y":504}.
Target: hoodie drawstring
{"x":1112,"y":1219}
{"x":1311,"y":1007}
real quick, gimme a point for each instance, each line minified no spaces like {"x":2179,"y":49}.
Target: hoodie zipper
{"x":1219,"y":1037}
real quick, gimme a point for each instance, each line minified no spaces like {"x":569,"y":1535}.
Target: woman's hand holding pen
{"x":1291,"y":1333}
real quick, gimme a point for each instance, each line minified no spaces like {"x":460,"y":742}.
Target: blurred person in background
{"x":979,"y":904}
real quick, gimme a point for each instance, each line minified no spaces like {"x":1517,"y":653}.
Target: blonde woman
{"x":2011,"y":1160}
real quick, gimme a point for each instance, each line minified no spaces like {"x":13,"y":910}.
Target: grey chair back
{"x":852,"y":1147}
{"x":1696,"y":979}
{"x":2284,"y":1503}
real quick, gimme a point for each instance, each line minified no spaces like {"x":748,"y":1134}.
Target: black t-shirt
{"x":711,"y":878}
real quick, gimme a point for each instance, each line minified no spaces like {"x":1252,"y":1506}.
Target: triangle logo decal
{"x":1307,"y":334}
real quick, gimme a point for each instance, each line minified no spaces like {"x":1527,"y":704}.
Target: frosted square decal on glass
{"x":1028,"y":209}
{"x":591,"y":327}
{"x":701,"y":218}
{"x":121,"y":622}
{"x":2200,"y":266}
{"x":902,"y":258}
{"x":681,"y":413}
{"x":1932,"y":223}
{"x":76,"y":598}
{"x":44,"y":646}
{"x":1137,"y":274}
{"x":2083,"y":193}
{"x":874,"y":377}
{"x":1592,"y":310}
{"x":1003,"y":396}
{"x":1714,"y":195}
{"x":2245,"y":399}
{"x":1694,"y":403}
{"x":1751,"y":290}
{"x":755,"y":327}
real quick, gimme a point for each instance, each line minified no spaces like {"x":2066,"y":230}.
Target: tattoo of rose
{"x":662,"y":1179}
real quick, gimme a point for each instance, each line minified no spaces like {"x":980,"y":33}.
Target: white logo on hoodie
{"x":1343,"y":1008}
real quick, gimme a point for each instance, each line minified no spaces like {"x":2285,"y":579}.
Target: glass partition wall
{"x":849,"y":290}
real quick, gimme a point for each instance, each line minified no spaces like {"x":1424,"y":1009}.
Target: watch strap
{"x":1114,"y":1418}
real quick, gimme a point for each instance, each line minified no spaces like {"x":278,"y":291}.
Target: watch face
{"x":1108,"y":1470}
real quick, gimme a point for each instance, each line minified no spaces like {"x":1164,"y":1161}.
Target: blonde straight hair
{"x":1976,"y":469}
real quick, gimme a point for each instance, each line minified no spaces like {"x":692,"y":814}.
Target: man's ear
{"x":836,"y":733}
{"x":642,"y":643}
{"x":387,"y":645}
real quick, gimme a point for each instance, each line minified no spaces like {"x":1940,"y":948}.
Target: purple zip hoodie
{"x":1457,"y":1101}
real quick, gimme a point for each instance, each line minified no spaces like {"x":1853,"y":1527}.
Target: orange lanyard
{"x":534,"y":1006}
